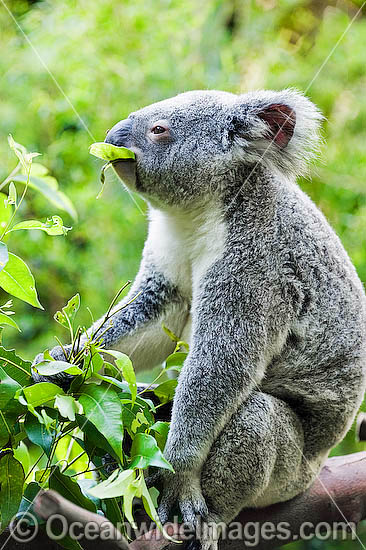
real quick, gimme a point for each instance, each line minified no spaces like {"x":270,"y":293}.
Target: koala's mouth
{"x":126,"y":171}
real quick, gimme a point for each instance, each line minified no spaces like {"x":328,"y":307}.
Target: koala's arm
{"x":136,"y":329}
{"x":233,"y":334}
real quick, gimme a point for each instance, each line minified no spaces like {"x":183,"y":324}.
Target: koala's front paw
{"x":62,"y":379}
{"x":182,"y":489}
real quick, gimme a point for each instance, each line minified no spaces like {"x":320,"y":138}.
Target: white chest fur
{"x":185,"y":245}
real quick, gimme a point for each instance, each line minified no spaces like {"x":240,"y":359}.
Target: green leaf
{"x":70,"y":489}
{"x":20,"y":151}
{"x":4,"y":255}
{"x":85,"y":485}
{"x":48,"y":368}
{"x":130,"y":411}
{"x":45,"y":419}
{"x":7,"y":320}
{"x":6,"y":211}
{"x":122,"y":385}
{"x":68,"y":312}
{"x":97,"y":361}
{"x":11,"y":488}
{"x":41,"y":393}
{"x":149,"y":505}
{"x":22,"y":454}
{"x":47,"y":187}
{"x":7,"y":421}
{"x":17,"y":279}
{"x":12,"y":196}
{"x":29,"y":495}
{"x":68,"y":406}
{"x":140,"y":421}
{"x":112,"y":508}
{"x":61,"y":319}
{"x":16,"y":367}
{"x":170,"y":333}
{"x":124,"y":363}
{"x":102,"y":177}
{"x":166,"y":390}
{"x":72,"y":307}
{"x":161,"y":430}
{"x":94,"y":441}
{"x":175,"y":361}
{"x":108,"y":152}
{"x":103,"y":408}
{"x":38,"y":434}
{"x":8,"y":389}
{"x":145,"y":452}
{"x":53,"y":226}
{"x":133,"y":490}
{"x":114,"y":486}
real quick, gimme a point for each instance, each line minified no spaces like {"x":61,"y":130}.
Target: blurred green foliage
{"x":82,"y":66}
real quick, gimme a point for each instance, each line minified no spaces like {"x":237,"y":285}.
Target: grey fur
{"x":276,"y":369}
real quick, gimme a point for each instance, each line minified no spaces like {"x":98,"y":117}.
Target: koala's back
{"x":321,"y":369}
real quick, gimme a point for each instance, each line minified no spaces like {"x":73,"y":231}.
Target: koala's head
{"x":191,"y":145}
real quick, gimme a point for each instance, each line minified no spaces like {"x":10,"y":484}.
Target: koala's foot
{"x":182,"y":489}
{"x":61,"y":379}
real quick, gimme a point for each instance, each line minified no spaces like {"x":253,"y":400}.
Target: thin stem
{"x":62,"y":347}
{"x":117,"y":296}
{"x":76,"y":340}
{"x":107,"y":315}
{"x":73,"y":461}
{"x":52,"y":454}
{"x":71,"y":332}
{"x":80,"y":352}
{"x":104,"y":331}
{"x":69,"y":448}
{"x":67,"y":432}
{"x":34,"y":465}
{"x":152,"y":383}
{"x":91,"y":470}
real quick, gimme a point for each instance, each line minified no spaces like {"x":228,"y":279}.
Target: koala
{"x":242,"y":264}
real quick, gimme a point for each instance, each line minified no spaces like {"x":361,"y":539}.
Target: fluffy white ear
{"x":277,"y":129}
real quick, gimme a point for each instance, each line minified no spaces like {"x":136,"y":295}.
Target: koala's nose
{"x":120,"y":134}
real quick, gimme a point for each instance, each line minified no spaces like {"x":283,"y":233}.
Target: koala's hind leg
{"x":257,"y":459}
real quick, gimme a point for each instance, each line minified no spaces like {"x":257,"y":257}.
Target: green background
{"x":112,"y":57}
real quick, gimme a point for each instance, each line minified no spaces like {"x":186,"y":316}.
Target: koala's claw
{"x":192,"y":507}
{"x":182,"y":489}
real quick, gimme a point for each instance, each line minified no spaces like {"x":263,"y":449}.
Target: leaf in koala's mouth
{"x":110,"y":153}
{"x":107,"y":151}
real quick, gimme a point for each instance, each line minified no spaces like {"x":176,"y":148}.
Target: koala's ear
{"x":281,"y":120}
{"x":277,"y":129}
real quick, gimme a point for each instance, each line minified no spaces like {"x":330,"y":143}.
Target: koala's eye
{"x":158,"y":129}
